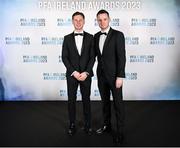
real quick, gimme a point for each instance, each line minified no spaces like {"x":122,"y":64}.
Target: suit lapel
{"x":74,"y":43}
{"x":107,"y":39}
{"x":98,"y":37}
{"x":83,"y":43}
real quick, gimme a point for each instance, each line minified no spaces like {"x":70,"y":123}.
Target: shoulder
{"x":68,"y":36}
{"x":88,"y":34}
{"x":97,"y":34}
{"x":117,"y":32}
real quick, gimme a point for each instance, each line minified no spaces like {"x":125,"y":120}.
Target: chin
{"x":104,"y":27}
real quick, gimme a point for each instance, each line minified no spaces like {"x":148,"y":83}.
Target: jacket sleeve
{"x":92,"y":57}
{"x":65,"y":56}
{"x":121,"y":55}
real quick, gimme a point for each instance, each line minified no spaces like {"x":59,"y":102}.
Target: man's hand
{"x":83,"y":76}
{"x":119,"y":82}
{"x":76,"y":75}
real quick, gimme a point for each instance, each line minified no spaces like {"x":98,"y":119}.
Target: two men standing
{"x":109,"y":47}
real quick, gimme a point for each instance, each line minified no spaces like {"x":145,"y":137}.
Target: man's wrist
{"x":73,"y":73}
{"x":119,"y":78}
{"x":87,"y":73}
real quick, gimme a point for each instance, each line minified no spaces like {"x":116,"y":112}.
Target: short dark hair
{"x":101,"y":12}
{"x":78,"y":13}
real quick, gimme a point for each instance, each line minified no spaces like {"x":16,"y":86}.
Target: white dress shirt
{"x":79,"y":41}
{"x":102,"y":39}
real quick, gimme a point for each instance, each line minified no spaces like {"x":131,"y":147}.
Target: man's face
{"x":78,"y":22}
{"x":103,"y":21}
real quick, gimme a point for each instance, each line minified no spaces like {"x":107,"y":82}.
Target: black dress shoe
{"x":87,"y":130}
{"x":104,"y":129}
{"x":118,"y":139}
{"x":71,"y":130}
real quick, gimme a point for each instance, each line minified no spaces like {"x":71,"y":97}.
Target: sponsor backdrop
{"x":31,"y":36}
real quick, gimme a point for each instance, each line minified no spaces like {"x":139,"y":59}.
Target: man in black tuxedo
{"x":110,"y":50}
{"x":78,"y":57}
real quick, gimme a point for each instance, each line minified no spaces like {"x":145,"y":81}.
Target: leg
{"x":119,"y":107}
{"x":72,"y":85}
{"x":85,"y":88}
{"x":119,"y":113}
{"x":104,"y":90}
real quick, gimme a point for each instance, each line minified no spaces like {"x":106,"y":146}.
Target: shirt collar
{"x":78,"y":32}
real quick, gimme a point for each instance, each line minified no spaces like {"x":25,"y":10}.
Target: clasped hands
{"x":80,"y":76}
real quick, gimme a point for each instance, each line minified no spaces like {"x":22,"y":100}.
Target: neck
{"x":104,"y":29}
{"x":78,"y":30}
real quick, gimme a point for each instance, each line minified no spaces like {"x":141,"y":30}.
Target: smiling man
{"x":78,"y":57}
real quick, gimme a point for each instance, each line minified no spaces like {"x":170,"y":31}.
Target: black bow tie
{"x":75,"y":34}
{"x":103,"y":33}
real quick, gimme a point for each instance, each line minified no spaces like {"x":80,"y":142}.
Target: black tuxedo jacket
{"x":112,"y":60}
{"x":71,"y":58}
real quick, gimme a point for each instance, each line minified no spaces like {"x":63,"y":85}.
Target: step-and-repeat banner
{"x":31,"y":36}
